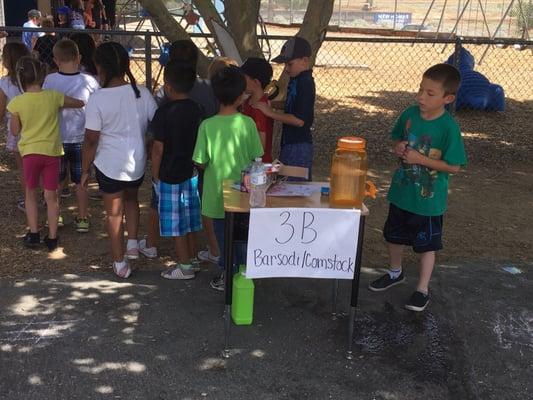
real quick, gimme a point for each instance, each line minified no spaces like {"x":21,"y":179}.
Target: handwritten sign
{"x":302,"y":243}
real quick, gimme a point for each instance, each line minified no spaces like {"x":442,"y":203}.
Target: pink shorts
{"x":37,"y":166}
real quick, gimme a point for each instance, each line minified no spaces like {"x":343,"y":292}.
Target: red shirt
{"x":263,"y":123}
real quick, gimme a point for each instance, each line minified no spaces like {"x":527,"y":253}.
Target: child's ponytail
{"x":19,"y":69}
{"x":133,"y":83}
{"x":29,"y":71}
{"x":114,"y":62}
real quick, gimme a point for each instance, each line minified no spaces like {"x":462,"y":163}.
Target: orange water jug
{"x":348,"y":185}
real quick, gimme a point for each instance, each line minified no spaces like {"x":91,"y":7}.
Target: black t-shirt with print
{"x":175,"y":124}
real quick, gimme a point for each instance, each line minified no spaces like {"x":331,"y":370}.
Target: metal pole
{"x":355,"y":287}
{"x":395,"y":11}
{"x":290,"y":11}
{"x":496,"y":31}
{"x":340,"y":4}
{"x":456,"y":58}
{"x":441,"y":19}
{"x":484,"y":16}
{"x":228,"y":283}
{"x":424,"y":20}
{"x":459,"y":17}
{"x":456,"y":24}
{"x":148,"y":59}
{"x":334,"y":293}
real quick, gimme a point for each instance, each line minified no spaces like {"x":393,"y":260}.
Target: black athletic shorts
{"x":421,"y":232}
{"x":110,"y":186}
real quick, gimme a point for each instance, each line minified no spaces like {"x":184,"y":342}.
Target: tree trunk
{"x":242,"y":17}
{"x":173,"y":31}
{"x":315,"y":24}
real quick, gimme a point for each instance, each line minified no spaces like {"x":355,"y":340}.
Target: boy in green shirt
{"x":428,"y":141}
{"x":226,"y":144}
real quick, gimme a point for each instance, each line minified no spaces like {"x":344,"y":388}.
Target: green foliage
{"x":523,"y":15}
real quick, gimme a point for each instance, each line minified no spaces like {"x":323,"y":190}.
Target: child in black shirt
{"x":174,"y":129}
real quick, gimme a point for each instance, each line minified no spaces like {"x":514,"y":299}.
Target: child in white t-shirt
{"x":11,"y":53}
{"x":116,"y":120}
{"x":72,"y":121}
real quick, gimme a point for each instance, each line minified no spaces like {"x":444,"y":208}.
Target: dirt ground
{"x":360,"y":92}
{"x":488,"y":219}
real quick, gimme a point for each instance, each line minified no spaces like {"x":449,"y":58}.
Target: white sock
{"x":185,"y":266}
{"x":132,"y":244}
{"x":120,"y":264}
{"x":395,"y":272}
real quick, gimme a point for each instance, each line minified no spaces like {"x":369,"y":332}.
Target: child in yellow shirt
{"x":34,"y":115}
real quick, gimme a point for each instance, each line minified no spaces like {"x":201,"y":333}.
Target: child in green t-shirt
{"x":226,"y":144}
{"x":428,"y":141}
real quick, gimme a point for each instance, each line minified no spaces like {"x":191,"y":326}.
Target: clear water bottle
{"x":258,"y":184}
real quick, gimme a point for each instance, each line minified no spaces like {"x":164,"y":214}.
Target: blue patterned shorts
{"x":298,"y":155}
{"x":71,"y":160}
{"x":179,"y":208}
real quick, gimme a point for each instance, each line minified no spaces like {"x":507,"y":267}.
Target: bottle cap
{"x":351,"y":143}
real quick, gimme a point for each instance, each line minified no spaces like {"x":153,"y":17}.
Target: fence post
{"x":148,"y":59}
{"x":456,"y":58}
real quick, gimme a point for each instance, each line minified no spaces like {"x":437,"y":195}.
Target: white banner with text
{"x":302,"y":243}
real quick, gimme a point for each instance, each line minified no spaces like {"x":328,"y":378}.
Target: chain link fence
{"x":363,"y":83}
{"x":469,"y":17}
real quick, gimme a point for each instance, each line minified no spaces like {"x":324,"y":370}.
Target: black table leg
{"x":355,"y":286}
{"x":228,"y":282}
{"x":334,"y":295}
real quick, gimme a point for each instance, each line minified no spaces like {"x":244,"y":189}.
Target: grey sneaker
{"x":178,"y":272}
{"x":218,"y":283}
{"x":148,"y":252}
{"x":205,"y":255}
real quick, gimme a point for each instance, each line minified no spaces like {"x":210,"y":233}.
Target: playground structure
{"x":472,"y":17}
{"x":476,"y":91}
{"x":522,"y":11}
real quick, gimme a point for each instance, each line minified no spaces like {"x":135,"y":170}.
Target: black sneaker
{"x":51,"y":244}
{"x":218,"y":283}
{"x":31,"y":240}
{"x":65,"y":193}
{"x":385,"y":282}
{"x":418,"y":301}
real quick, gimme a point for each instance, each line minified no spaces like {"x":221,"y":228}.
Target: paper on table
{"x":292,"y":190}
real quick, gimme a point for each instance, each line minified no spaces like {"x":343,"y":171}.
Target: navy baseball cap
{"x":295,"y":47}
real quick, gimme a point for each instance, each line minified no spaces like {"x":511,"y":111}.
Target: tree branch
{"x":172,"y":30}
